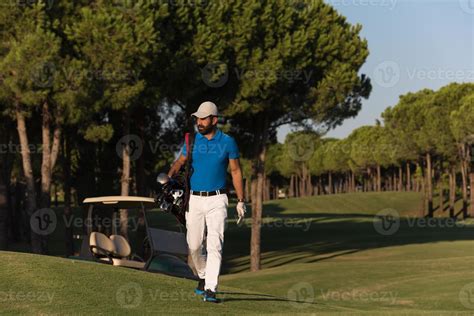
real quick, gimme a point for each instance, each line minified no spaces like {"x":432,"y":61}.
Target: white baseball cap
{"x":206,"y":109}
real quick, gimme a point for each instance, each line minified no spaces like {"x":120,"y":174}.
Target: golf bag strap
{"x":189,"y":139}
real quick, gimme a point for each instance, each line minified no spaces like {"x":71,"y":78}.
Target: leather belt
{"x":209,"y":193}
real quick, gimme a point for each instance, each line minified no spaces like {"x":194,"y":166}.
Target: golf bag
{"x":173,"y":193}
{"x":171,"y":196}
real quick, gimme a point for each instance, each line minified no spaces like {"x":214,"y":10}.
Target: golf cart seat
{"x":114,"y":250}
{"x":165,"y":251}
{"x":122,"y":247}
{"x":100,"y":245}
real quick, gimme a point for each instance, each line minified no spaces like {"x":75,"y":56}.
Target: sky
{"x":413,"y":45}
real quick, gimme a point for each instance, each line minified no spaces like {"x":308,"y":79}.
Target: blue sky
{"x":413,"y":45}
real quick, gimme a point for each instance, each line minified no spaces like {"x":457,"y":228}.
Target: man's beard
{"x":205,"y":130}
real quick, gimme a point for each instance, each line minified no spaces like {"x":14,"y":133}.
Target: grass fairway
{"x":320,"y":255}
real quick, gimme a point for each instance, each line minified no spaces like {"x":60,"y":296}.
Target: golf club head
{"x":162,"y":178}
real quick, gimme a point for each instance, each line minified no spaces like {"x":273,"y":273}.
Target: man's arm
{"x":177,"y":165}
{"x":237,"y":180}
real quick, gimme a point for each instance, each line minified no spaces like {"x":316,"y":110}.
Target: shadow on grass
{"x":306,"y":238}
{"x":303,"y":238}
{"x":258,"y":297}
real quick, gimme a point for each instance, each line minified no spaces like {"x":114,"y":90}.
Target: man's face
{"x":206,"y":125}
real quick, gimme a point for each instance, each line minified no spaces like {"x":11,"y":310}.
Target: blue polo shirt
{"x":210,"y":161}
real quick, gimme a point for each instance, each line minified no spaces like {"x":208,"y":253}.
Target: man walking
{"x":212,"y":153}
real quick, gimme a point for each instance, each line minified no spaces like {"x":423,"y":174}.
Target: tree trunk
{"x":297,"y":185}
{"x":347,"y":186}
{"x":379,"y":179}
{"x":291,"y":191}
{"x":66,"y":159}
{"x":330,"y":186}
{"x":268,"y":187}
{"x":408,"y":176}
{"x":140,"y":165}
{"x":429,"y":184}
{"x":49,"y":155}
{"x":125,"y":181}
{"x":470,"y":171}
{"x":441,"y":195}
{"x":400,"y":179}
{"x":45,"y":198}
{"x":424,"y":193}
{"x":49,"y":158}
{"x":36,"y":243}
{"x":5,"y":187}
{"x":303,"y":183}
{"x":257,"y":211}
{"x":3,"y":213}
{"x":247,"y":189}
{"x":419,"y":180}
{"x":452,"y":191}
{"x":471,"y":205}
{"x":464,"y":188}
{"x":309,"y":185}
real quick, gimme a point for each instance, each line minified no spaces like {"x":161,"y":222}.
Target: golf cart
{"x":162,"y":251}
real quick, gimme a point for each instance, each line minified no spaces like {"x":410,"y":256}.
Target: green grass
{"x":319,"y":254}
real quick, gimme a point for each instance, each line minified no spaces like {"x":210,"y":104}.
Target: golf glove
{"x":241,"y":210}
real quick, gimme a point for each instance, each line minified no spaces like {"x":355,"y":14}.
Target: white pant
{"x":207,"y":213}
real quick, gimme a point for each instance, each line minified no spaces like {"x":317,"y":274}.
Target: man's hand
{"x":241,"y":210}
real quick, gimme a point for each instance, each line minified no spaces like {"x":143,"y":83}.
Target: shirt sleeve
{"x":233,"y":149}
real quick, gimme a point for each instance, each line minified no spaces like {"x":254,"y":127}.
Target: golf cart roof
{"x":122,"y":201}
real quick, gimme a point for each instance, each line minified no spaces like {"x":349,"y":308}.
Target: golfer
{"x":212,"y":153}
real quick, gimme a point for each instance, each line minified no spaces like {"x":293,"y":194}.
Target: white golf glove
{"x":241,"y":210}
